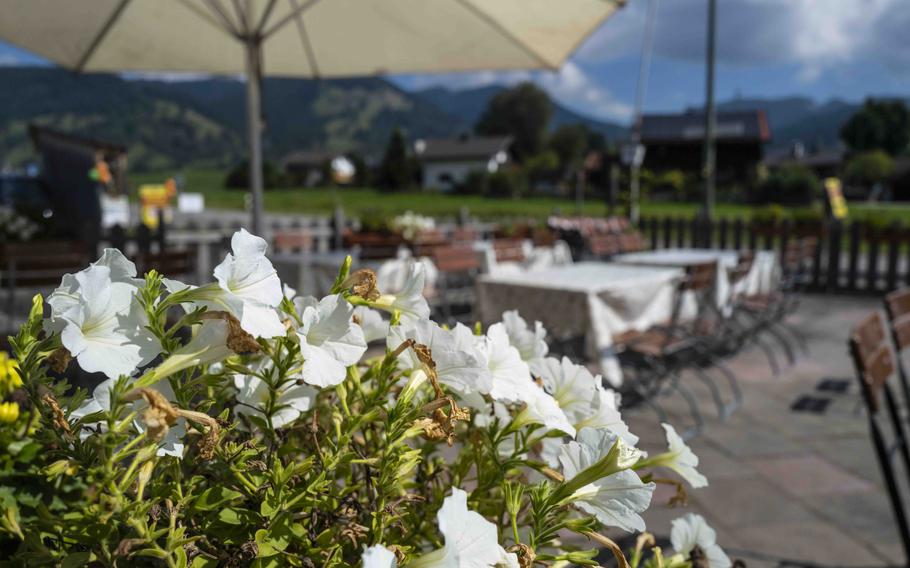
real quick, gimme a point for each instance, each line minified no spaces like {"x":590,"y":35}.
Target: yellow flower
{"x":9,"y":412}
{"x":9,"y":371}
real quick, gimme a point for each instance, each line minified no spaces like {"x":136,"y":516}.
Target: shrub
{"x":239,"y":426}
{"x":870,"y":168}
{"x":791,"y":184}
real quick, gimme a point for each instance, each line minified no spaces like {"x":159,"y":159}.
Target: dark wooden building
{"x":675,"y":142}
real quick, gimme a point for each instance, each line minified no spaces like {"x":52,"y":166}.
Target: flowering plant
{"x":240,"y":424}
{"x":409,"y":224}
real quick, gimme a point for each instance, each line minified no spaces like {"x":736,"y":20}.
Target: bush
{"x":272,"y":177}
{"x":507,"y":183}
{"x":219,"y":439}
{"x":789,"y":185}
{"x":869,"y":168}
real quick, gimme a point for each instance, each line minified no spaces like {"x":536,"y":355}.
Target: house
{"x":310,"y":167}
{"x":446,"y":162}
{"x":676,"y":142}
{"x":824,"y":162}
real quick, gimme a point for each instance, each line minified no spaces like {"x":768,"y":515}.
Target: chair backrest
{"x":509,"y":250}
{"x":463,"y":235}
{"x":897,"y":306}
{"x":456,"y":258}
{"x":42,"y":263}
{"x":170,"y":263}
{"x":631,"y":242}
{"x":875,"y":365}
{"x":603,"y":245}
{"x":744,"y":262}
{"x":292,"y":241}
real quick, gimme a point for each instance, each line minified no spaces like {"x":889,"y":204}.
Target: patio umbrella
{"x":300,"y":38}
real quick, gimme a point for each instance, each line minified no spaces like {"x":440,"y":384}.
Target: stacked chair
{"x":877,"y":368}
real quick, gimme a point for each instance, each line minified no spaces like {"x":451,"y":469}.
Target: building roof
{"x":462,"y":148}
{"x":740,"y":126}
{"x":309,"y":158}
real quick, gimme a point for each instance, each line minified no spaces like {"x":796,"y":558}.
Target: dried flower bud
{"x":59,"y":359}
{"x":524,"y":553}
{"x":60,"y":422}
{"x":363,"y":283}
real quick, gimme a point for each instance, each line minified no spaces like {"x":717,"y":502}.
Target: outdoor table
{"x":595,"y":299}
{"x":762,"y":278}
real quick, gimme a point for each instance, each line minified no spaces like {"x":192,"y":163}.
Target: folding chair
{"x":874,"y":362}
{"x":458,"y":266}
{"x":897,"y":306}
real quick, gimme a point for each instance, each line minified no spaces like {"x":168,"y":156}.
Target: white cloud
{"x":815,"y":35}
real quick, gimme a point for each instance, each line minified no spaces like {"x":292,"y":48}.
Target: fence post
{"x":722,"y":236}
{"x":143,"y":238}
{"x":894,"y":245}
{"x":161,"y":233}
{"x":872,"y":237}
{"x":680,"y":232}
{"x":117,"y":237}
{"x":338,"y":225}
{"x":753,"y":235}
{"x":834,"y":246}
{"x":695,"y":232}
{"x":784,"y":237}
{"x":853,"y":267}
{"x":738,"y":233}
{"x":668,"y":228}
{"x":654,"y":226}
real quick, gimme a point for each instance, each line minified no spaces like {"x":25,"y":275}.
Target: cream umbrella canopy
{"x":300,"y":38}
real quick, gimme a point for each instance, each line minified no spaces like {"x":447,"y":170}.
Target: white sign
{"x":190,"y":202}
{"x":632,"y":154}
{"x":114,"y":211}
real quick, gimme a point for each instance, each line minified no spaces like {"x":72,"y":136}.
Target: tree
{"x":870,"y":168}
{"x":879,"y":125}
{"x":791,"y":184}
{"x":522,"y":112}
{"x":395,"y":172}
{"x":569,"y":142}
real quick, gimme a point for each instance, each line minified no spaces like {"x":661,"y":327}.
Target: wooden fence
{"x":852,"y":257}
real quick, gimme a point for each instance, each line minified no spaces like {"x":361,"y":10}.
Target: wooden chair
{"x":509,"y":250}
{"x":30,"y":266}
{"x":170,"y":263}
{"x":897,"y":308}
{"x":875,"y":366}
{"x":292,"y":241}
{"x":601,"y":246}
{"x":458,"y":266}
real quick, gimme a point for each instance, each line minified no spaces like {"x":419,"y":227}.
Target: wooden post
{"x":834,"y":246}
{"x":853,"y":265}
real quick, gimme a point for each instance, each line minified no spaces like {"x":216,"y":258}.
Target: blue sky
{"x":822,"y":49}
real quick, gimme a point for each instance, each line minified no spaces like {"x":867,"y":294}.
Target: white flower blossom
{"x":247,"y":287}
{"x":531,"y":344}
{"x":330,"y":341}
{"x":378,"y":556}
{"x":582,"y":397}
{"x":681,"y":459}
{"x":690,"y":530}
{"x":509,"y":373}
{"x":99,"y":319}
{"x":459,"y":368}
{"x":207,"y":346}
{"x":254,"y":395}
{"x":470,"y":539}
{"x":409,"y":302}
{"x":100,"y":401}
{"x":617,"y":499}
{"x":374,"y":327}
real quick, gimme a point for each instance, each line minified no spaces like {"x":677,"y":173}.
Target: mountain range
{"x":172,"y":124}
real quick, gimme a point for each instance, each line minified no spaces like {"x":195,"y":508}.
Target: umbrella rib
{"x":102,"y":33}
{"x":208,"y":18}
{"x":218,"y":10}
{"x":501,"y":30}
{"x":266,"y":14}
{"x":305,"y":39}
{"x":283,"y":21}
{"x":242,"y":16}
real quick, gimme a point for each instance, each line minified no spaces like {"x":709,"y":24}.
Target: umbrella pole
{"x":254,"y":130}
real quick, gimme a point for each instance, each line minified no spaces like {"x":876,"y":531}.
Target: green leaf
{"x":215,"y":497}
{"x":76,"y":560}
{"x":203,"y":562}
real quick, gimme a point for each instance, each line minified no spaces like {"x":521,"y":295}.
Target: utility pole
{"x":644,"y":69}
{"x":710,"y":152}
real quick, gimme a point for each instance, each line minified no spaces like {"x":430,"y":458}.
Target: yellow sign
{"x":836,"y":198}
{"x":154,"y":197}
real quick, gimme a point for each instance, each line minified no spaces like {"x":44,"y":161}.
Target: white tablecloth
{"x":762,"y":278}
{"x":594,"y":299}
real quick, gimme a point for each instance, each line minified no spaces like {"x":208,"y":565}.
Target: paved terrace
{"x":790,"y":487}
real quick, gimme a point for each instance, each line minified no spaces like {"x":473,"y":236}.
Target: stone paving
{"x":787,"y":487}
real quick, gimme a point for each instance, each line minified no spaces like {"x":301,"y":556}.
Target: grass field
{"x":362,"y":202}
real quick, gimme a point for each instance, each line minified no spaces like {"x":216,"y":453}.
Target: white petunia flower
{"x":374,"y":327}
{"x":531,"y":344}
{"x":207,"y":346}
{"x":247,"y":286}
{"x":460,"y":368}
{"x":254,"y":395}
{"x":617,"y":499}
{"x":100,"y":401}
{"x":541,"y":408}
{"x":378,"y":556}
{"x":99,"y":320}
{"x":329,"y":339}
{"x":470,"y":539}
{"x":409,"y":303}
{"x":582,"y":397}
{"x":692,"y":530}
{"x":510,"y":374}
{"x":681,"y":459}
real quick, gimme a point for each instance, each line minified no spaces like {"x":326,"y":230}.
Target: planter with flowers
{"x":241,"y":424}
